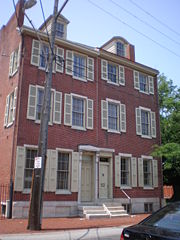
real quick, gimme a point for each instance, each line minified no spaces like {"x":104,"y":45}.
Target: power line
{"x":146,"y":23}
{"x":134,"y":29}
{"x":155,"y":18}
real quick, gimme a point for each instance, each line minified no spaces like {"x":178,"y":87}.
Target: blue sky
{"x":155,"y":44}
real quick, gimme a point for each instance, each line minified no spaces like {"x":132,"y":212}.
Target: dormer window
{"x":120,"y":49}
{"x":59,"y":30}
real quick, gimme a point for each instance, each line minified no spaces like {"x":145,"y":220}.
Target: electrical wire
{"x":46,"y":26}
{"x":146,"y":23}
{"x":155,"y":18}
{"x":134,"y":29}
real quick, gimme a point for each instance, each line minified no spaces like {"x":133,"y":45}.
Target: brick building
{"x":103,"y":124}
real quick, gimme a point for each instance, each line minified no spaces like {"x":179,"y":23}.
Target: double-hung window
{"x":14,"y":62}
{"x":35,"y":102}
{"x":143,"y":82}
{"x":79,"y":66}
{"x":29,"y":166}
{"x":120,"y":49}
{"x":59,"y":30}
{"x":112,"y":73}
{"x":145,"y":122}
{"x":10,"y":108}
{"x":125,"y":171}
{"x":63,"y":171}
{"x":78,"y":112}
{"x":44,"y":56}
{"x":147,"y":171}
{"x":113,"y":116}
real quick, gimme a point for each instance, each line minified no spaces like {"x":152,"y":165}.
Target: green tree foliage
{"x":169,"y":104}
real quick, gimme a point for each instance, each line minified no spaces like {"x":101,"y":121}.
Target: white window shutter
{"x":6,"y":111}
{"x":69,"y":62}
{"x":14,"y":104}
{"x":104,"y":114}
{"x":53,"y":171}
{"x":134,"y":171}
{"x":104,"y":69}
{"x":19,"y":171}
{"x":31,"y":109}
{"x":155,"y":172}
{"x":35,"y":54}
{"x":153,"y":124}
{"x":90,"y":69}
{"x":140,"y":172}
{"x":121,"y":76}
{"x":67,"y":109}
{"x":75,"y":172}
{"x":138,"y":121}
{"x":46,"y":177}
{"x":151,"y":84}
{"x":123,"y":117}
{"x":60,"y":60}
{"x":11,"y":64}
{"x":89,"y":114}
{"x":19,"y":55}
{"x":117,"y":171}
{"x":57,"y":107}
{"x":136,"y":80}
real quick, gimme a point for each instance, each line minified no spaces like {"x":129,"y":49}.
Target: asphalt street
{"x":85,"y":234}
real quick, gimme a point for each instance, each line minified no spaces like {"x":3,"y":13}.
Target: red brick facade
{"x":24,"y":131}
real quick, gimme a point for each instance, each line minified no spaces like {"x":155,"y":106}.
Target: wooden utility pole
{"x":36,"y":199}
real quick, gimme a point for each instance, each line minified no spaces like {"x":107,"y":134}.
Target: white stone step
{"x":119,"y":215}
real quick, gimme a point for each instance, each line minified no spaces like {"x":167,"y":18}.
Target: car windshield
{"x":168,"y":217}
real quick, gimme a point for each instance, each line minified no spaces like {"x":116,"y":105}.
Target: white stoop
{"x":115,"y":210}
{"x":106,"y":210}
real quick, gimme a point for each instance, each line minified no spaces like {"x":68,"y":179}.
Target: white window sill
{"x":12,"y":74}
{"x":147,"y":93}
{"x":9,"y":124}
{"x":39,"y":121}
{"x":27,"y":191}
{"x":146,"y":136}
{"x":125,"y":187}
{"x":113,"y":131}
{"x":148,"y":188}
{"x":115,"y":84}
{"x":67,"y":192}
{"x":78,"y":128}
{"x":80,"y":79}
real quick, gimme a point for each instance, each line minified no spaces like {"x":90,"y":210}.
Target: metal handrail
{"x":129,"y":200}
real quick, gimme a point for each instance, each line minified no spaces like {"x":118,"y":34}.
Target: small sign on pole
{"x":38,"y":162}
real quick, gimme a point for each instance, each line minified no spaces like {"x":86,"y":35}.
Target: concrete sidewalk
{"x":8,"y":226}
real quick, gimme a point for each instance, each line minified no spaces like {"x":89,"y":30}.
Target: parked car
{"x":161,"y":225}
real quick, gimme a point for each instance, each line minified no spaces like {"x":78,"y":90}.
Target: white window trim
{"x":148,"y":83}
{"x":64,"y":191}
{"x":148,"y":158}
{"x":86,"y":59}
{"x":147,"y":110}
{"x":85,"y":111}
{"x":125,"y":48}
{"x":126,"y":155}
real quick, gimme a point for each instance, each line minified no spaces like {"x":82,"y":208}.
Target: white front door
{"x":103,"y":180}
{"x":86,"y":183}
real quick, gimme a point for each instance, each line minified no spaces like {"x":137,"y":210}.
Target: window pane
{"x":79,"y":66}
{"x":44,"y":55}
{"x":29,"y":165}
{"x":112,"y":116}
{"x":59,"y":30}
{"x":145,"y":122}
{"x":63,"y":171}
{"x":112,"y":73}
{"x":125,"y":174}
{"x":143,"y":80}
{"x":78,"y":112}
{"x":40,"y":95}
{"x":120,"y":49}
{"x":147,"y":172}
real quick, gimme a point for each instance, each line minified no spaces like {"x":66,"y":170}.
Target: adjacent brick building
{"x":103,"y":124}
